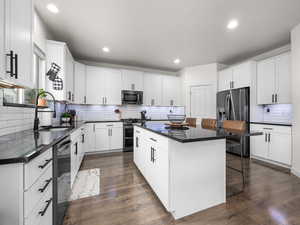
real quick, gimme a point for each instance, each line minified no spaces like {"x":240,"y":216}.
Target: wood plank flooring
{"x":270,"y":197}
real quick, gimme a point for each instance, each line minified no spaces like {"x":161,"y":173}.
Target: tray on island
{"x":176,"y":125}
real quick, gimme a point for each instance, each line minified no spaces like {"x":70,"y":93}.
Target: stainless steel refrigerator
{"x":235,"y":105}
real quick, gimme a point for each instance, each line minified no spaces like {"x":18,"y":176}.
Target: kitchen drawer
{"x":35,"y":168}
{"x":161,"y":141}
{"x":108,"y":125}
{"x":75,"y":134}
{"x":34,"y":194}
{"x":44,"y":205}
{"x":271,"y":128}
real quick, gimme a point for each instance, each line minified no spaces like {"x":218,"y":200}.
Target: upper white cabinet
{"x":58,"y":52}
{"x":153,"y":89}
{"x":238,"y":76}
{"x":79,"y":83}
{"x":132,"y":80}
{"x":171,"y":90}
{"x":18,"y":47}
{"x":2,"y":38}
{"x":225,"y":79}
{"x":273,"y":80}
{"x":103,"y":86}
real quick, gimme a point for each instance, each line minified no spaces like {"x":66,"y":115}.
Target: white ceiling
{"x":152,"y":33}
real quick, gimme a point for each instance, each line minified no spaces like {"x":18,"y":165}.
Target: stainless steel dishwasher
{"x":61,"y":179}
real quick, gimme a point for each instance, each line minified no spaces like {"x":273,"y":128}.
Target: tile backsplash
{"x":107,"y":112}
{"x":282,"y":113}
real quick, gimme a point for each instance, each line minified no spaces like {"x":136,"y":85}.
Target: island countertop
{"x":194,"y":134}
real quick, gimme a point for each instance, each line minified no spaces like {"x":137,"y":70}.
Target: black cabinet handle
{"x":137,"y":142}
{"x":269,"y":137}
{"x":11,"y":63}
{"x":151,"y":158}
{"x":84,"y":99}
{"x":266,"y":137}
{"x":152,"y":139}
{"x":42,"y":213}
{"x":154,"y":150}
{"x":69,"y":95}
{"x":82,"y":138}
{"x":73,"y":97}
{"x":16,"y":66}
{"x":47,"y":161}
{"x":76,"y":148}
{"x":276,"y":98}
{"x":46,"y":185}
{"x":273,"y":98}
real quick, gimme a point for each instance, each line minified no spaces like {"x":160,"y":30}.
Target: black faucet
{"x":36,"y":119}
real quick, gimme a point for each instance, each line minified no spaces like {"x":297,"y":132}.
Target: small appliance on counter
{"x":143,"y":115}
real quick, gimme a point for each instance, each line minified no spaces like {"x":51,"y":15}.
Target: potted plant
{"x":42,"y":98}
{"x":65,"y":117}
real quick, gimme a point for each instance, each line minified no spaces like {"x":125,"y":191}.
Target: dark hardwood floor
{"x":270,"y":197}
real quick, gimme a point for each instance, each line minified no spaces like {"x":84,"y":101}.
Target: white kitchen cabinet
{"x":113,"y":86}
{"x":2,"y":40}
{"x":283,"y":78}
{"x":105,"y":136}
{"x":116,"y":138}
{"x":238,"y":76}
{"x":90,"y":137}
{"x":58,"y":52}
{"x":152,"y":89}
{"x":20,"y":191}
{"x":151,"y":156}
{"x":280,"y":147}
{"x":102,"y":139}
{"x":103,"y":86}
{"x":18,"y":42}
{"x":273,"y":80}
{"x":241,"y":76}
{"x":69,"y":79}
{"x":132,"y":80}
{"x":79,"y":83}
{"x":274,"y":145}
{"x":171,"y":91}
{"x":266,"y":81}
{"x":225,"y":79}
{"x":95,"y":85}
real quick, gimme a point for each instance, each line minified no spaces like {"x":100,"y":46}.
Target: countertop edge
{"x":273,"y":124}
{"x":180,"y":140}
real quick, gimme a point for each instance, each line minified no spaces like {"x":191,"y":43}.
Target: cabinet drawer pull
{"x":76,"y":148}
{"x":266,"y":137}
{"x":47,"y":161}
{"x":276,"y":98}
{"x":268,"y":128}
{"x":269,"y":137}
{"x":46,"y":185}
{"x":16,"y":66}
{"x":82,"y":138}
{"x":137,"y":131}
{"x":273,"y":98}
{"x":42,"y":213}
{"x":152,"y":139}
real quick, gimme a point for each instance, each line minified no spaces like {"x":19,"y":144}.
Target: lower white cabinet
{"x":275,"y":145}
{"x":151,"y":156}
{"x":78,"y":146}
{"x":27,"y":192}
{"x":105,"y":136}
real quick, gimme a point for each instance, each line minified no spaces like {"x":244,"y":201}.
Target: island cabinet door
{"x":159,"y":174}
{"x":137,"y":148}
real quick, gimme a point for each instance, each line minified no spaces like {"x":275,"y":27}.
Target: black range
{"x":192,"y":134}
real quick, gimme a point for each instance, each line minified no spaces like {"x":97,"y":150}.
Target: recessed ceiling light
{"x":177,"y":61}
{"x":232,"y":24}
{"x":52,"y":8}
{"x":105,"y":49}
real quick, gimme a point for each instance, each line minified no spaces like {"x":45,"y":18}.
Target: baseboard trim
{"x":270,"y":162}
{"x":104,"y":152}
{"x":295,"y":172}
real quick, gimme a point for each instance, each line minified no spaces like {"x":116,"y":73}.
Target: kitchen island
{"x":185,"y":168}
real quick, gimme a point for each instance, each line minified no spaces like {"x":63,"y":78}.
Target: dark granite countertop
{"x":193,"y":134}
{"x":21,"y":147}
{"x":273,"y":123}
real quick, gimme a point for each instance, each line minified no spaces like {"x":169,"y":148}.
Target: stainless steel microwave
{"x":132,"y":97}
